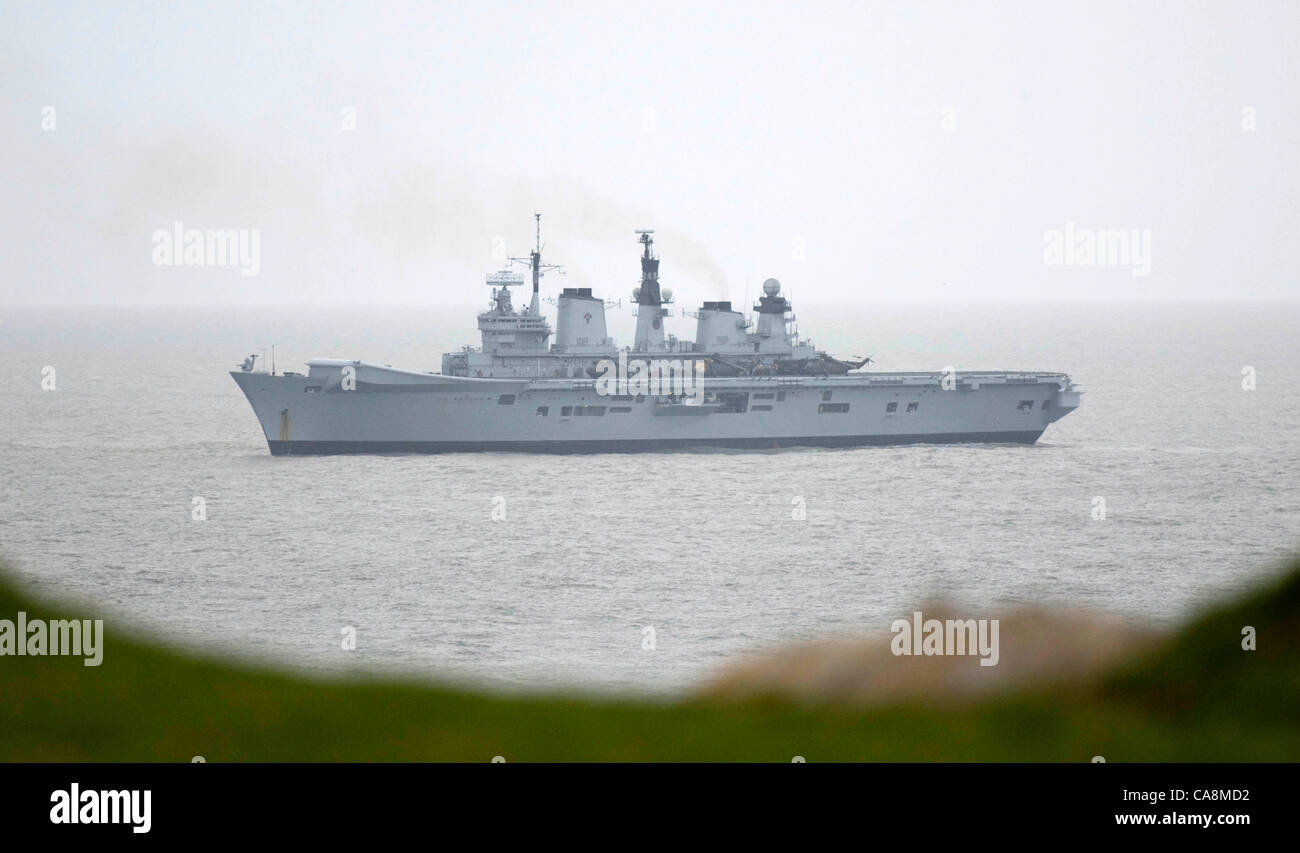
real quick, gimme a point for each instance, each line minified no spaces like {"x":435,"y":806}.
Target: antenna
{"x":534,"y":261}
{"x":648,"y":293}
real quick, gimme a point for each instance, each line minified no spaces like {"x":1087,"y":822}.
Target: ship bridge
{"x":504,"y":328}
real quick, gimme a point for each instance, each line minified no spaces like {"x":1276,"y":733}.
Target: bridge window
{"x":1025,"y":405}
{"x":912,"y":407}
{"x":619,"y":410}
{"x":543,"y":411}
{"x":832,"y":408}
{"x":760,"y":407}
{"x":506,"y":400}
{"x":566,"y":412}
{"x":826,"y":395}
{"x":890,"y":408}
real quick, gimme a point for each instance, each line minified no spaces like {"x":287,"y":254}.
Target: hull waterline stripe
{"x":331,"y":448}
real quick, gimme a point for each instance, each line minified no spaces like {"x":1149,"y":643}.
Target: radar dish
{"x":771,"y":287}
{"x":667,"y":294}
{"x":636,"y":294}
{"x":504,"y":278}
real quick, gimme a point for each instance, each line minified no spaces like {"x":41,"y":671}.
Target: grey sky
{"x":856,"y":151}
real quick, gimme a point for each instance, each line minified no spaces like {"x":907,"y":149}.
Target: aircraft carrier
{"x":741,"y":383}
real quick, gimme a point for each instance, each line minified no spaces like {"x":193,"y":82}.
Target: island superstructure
{"x":530,"y":388}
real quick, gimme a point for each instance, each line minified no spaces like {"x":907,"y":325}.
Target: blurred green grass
{"x":1200,"y":697}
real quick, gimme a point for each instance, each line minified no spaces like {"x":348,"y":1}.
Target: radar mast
{"x":650,"y":299}
{"x":534,"y":262}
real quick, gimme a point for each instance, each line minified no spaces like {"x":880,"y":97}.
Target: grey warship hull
{"x":741,"y":383}
{"x":395,"y":411}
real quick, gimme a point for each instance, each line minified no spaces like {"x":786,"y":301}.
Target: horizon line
{"x":318,"y":303}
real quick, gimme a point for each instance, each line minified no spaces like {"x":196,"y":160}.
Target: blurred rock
{"x":1037,"y":647}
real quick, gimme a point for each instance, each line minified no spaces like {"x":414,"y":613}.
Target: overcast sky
{"x":856,"y":151}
